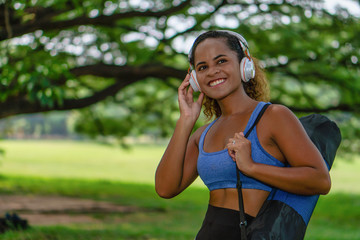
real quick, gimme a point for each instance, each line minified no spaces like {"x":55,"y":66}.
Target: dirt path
{"x":53,"y":210}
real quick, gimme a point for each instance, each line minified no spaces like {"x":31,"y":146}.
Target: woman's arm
{"x":307,"y":174}
{"x":177,"y":168}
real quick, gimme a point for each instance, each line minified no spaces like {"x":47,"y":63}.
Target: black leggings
{"x":221,"y":224}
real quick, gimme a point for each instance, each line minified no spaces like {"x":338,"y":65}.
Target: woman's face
{"x":217,"y":68}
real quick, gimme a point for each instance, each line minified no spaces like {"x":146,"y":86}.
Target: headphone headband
{"x":242,"y":41}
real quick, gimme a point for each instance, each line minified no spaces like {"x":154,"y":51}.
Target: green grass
{"x":69,"y":159}
{"x":157,"y":219}
{"x":336,"y":216}
{"x":100,"y":172}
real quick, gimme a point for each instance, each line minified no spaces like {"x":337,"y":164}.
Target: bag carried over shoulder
{"x":284,"y":215}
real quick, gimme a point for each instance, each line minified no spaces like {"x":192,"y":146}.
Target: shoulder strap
{"x":243,"y":222}
{"x":257,"y":119}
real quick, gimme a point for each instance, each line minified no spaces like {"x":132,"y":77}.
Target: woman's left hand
{"x":239,"y":149}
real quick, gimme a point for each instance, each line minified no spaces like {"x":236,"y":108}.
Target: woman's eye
{"x":201,"y":68}
{"x":221,"y":61}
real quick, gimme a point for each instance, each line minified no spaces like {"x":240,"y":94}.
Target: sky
{"x":351,"y":5}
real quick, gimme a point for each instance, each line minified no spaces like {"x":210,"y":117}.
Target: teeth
{"x":216,"y":82}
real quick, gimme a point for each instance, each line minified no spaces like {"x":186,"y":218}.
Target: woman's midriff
{"x":228,"y":198}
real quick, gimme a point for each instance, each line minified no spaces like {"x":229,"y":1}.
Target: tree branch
{"x":7,"y":21}
{"x":45,"y":23}
{"x":113,"y":71}
{"x":124,"y":76}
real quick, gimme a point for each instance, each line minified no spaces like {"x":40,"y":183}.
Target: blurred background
{"x":88,"y":101}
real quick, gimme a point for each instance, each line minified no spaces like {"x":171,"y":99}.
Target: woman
{"x":214,"y":150}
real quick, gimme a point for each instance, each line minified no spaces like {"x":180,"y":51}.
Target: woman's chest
{"x":219,"y":134}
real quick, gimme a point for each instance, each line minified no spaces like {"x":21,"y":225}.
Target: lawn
{"x":126,"y":177}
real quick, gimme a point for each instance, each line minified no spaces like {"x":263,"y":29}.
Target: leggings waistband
{"x":221,"y":223}
{"x":225,"y":216}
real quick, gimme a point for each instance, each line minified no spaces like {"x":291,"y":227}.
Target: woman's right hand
{"x":188,"y":107}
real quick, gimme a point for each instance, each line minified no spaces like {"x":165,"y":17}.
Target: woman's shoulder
{"x":280,"y":117}
{"x":197,"y":134}
{"x":279,"y":112}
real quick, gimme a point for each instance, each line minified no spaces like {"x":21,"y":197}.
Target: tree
{"x":65,"y":54}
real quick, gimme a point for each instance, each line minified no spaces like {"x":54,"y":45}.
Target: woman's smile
{"x":216,"y":82}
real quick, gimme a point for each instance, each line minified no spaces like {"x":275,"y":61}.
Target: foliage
{"x":65,"y":54}
{"x":146,"y":108}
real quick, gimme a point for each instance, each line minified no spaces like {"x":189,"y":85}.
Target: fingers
{"x":239,"y":135}
{"x":200,"y":98}
{"x":239,"y":149}
{"x":237,"y":142}
{"x":185,"y":83}
{"x":231,"y":148}
{"x":186,"y":92}
{"x":232,"y":154}
{"x":189,"y":94}
{"x":182,"y":90}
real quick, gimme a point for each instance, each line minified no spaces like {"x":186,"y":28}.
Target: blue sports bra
{"x":217,"y":169}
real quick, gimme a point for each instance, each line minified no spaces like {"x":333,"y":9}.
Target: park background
{"x":88,"y":102}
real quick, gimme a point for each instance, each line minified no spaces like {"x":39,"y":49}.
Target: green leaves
{"x":48,"y":47}
{"x":148,"y":108}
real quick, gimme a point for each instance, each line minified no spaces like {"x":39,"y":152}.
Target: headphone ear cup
{"x":193,"y":82}
{"x":247,"y":69}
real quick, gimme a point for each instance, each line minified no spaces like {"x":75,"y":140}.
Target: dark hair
{"x":231,"y":41}
{"x":256,"y":88}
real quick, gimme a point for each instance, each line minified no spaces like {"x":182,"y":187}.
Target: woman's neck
{"x":236,"y":104}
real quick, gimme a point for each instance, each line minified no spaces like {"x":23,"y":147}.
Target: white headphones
{"x":247,"y":68}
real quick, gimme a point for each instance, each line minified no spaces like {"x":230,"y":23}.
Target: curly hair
{"x":257,"y":88}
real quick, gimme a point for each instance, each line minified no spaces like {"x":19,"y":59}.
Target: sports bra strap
{"x":257,"y":119}
{"x":202,"y":137}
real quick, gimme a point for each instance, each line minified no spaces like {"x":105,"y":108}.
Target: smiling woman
{"x":255,"y":87}
{"x":234,"y":90}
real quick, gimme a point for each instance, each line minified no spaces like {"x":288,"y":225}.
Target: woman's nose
{"x":213,"y":71}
